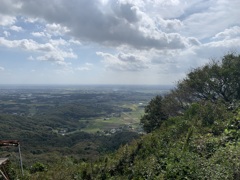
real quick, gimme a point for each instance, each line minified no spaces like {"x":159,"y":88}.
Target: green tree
{"x":154,"y":115}
{"x":217,"y":80}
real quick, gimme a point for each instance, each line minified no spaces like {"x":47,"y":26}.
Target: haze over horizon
{"x":113,"y":41}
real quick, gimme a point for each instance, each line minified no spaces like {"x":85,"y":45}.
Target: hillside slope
{"x":183,"y":148}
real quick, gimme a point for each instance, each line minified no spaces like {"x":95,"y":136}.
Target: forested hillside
{"x":192,"y":133}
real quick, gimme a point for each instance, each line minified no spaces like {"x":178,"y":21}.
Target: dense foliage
{"x":154,"y":114}
{"x":215,"y":81}
{"x":184,"y":147}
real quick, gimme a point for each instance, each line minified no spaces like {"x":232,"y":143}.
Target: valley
{"x":77,"y":121}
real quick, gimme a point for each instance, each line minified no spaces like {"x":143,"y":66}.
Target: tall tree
{"x":154,"y":114}
{"x":213,"y":82}
{"x":217,"y":80}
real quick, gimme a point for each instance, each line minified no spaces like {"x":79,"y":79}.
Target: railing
{"x":3,"y":161}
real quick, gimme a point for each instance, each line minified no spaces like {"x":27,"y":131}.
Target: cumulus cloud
{"x":123,"y":62}
{"x":204,"y":20}
{"x":50,"y":50}
{"x":56,"y":29}
{"x":127,"y":12}
{"x":168,"y":25}
{"x":217,"y":49}
{"x":137,"y":23}
{"x":31,"y":20}
{"x":6,"y":20}
{"x":73,"y":41}
{"x":51,"y":30}
{"x":228,"y":33}
{"x":111,"y":23}
{"x":57,"y":56}
{"x":16,"y":28}
{"x":58,"y":42}
{"x":38,"y":34}
{"x":26,"y":44}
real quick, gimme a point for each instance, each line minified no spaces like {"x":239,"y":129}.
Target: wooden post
{"x":16,"y":144}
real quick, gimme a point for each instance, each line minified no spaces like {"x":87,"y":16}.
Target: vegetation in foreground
{"x":193,"y":133}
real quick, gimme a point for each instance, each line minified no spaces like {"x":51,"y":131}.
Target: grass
{"x":126,"y":118}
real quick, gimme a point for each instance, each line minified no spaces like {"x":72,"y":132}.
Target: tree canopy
{"x":216,"y":81}
{"x":154,"y":114}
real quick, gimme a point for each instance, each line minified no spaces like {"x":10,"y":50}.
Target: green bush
{"x":38,"y":167}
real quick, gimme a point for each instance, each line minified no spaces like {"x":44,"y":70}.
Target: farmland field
{"x":83,"y":121}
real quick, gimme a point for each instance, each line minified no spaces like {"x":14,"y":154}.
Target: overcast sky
{"x":113,"y":41}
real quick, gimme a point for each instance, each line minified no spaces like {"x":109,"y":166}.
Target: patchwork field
{"x":114,"y":122}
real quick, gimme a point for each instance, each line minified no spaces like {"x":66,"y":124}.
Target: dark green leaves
{"x":154,"y":115}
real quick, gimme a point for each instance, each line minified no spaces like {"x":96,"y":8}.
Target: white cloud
{"x":168,"y":25}
{"x":137,"y":23}
{"x":26,"y":44}
{"x":57,"y":55}
{"x":161,"y":3}
{"x":123,"y":62}
{"x":74,"y":42}
{"x":50,"y":50}
{"x":229,"y":33}
{"x":204,"y":20}
{"x":16,"y":28}
{"x":193,"y":41}
{"x":56,"y":29}
{"x":58,"y":42}
{"x":31,"y":20}
{"x":52,"y":30}
{"x":38,"y":34}
{"x":110,"y":22}
{"x":6,"y":33}
{"x":217,"y":49}
{"x":6,"y":20}
{"x":226,"y":43}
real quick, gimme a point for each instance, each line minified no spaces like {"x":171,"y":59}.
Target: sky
{"x":113,"y":41}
